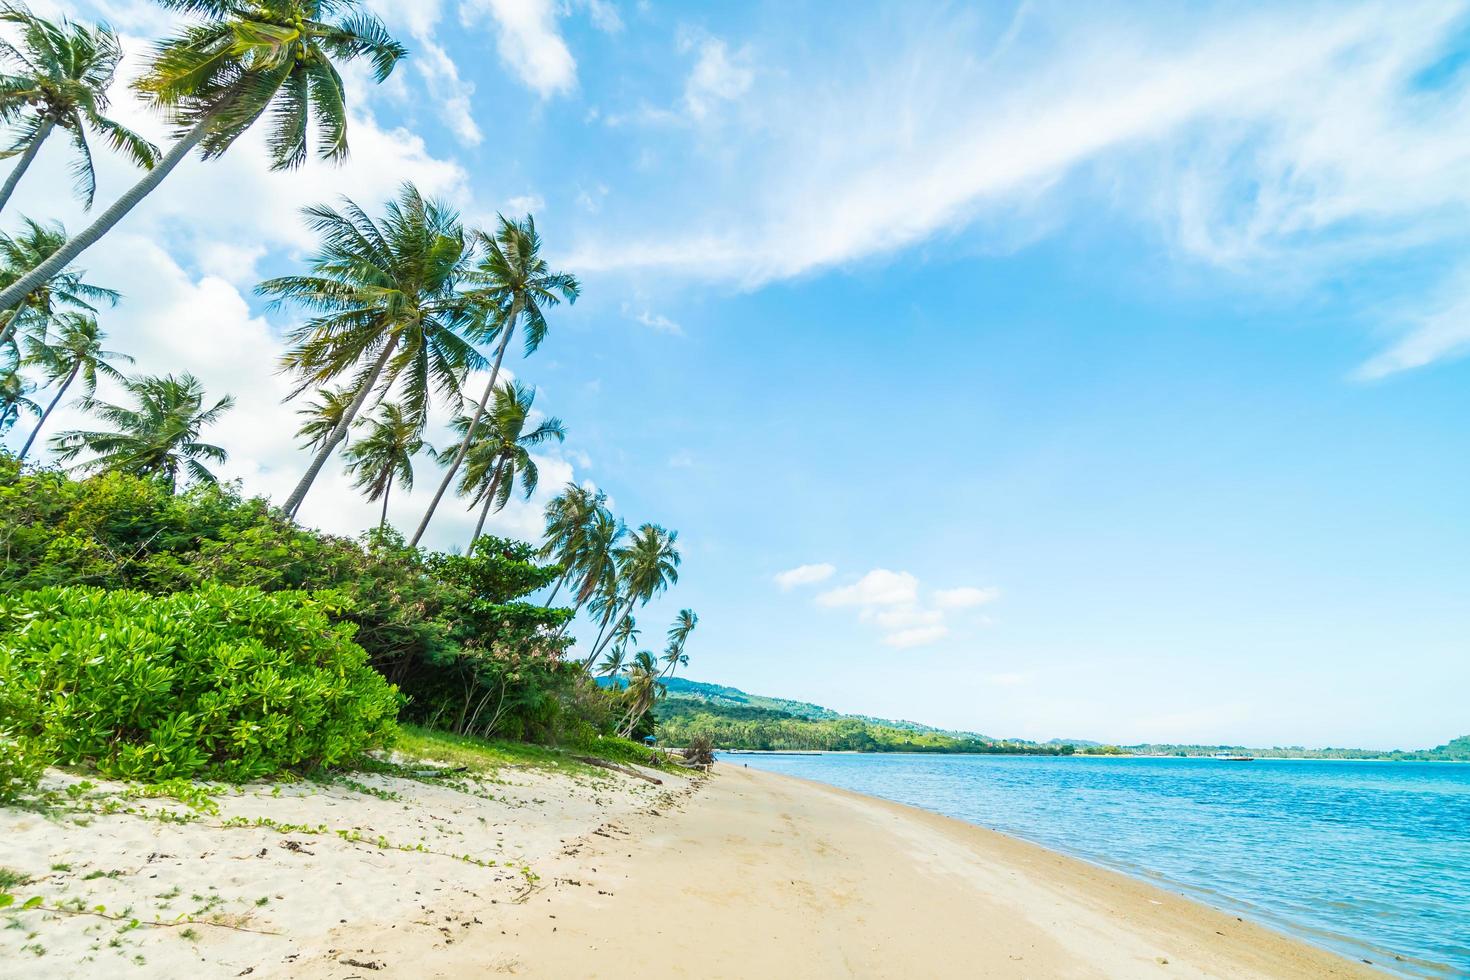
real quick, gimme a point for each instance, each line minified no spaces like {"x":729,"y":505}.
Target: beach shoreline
{"x":746,"y":873}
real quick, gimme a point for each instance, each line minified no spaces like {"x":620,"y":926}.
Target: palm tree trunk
{"x":24,"y":162}
{"x":13,"y":294}
{"x":599,"y":647}
{"x":559,"y":583}
{"x":383,"y":521}
{"x":293,"y":503}
{"x":485,"y":511}
{"x":47,"y":414}
{"x":469,"y":435}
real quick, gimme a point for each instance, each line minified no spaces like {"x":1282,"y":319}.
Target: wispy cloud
{"x":964,"y":597}
{"x":654,"y":321}
{"x":717,"y":76}
{"x":1302,"y":137}
{"x":804,"y":575}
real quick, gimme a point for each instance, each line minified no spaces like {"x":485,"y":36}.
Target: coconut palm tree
{"x":612,"y":664}
{"x":323,"y":417}
{"x":57,"y":76}
{"x":500,"y":457}
{"x":647,"y":565}
{"x":159,"y":436}
{"x":236,"y":61}
{"x":389,"y":311}
{"x":678,"y":636}
{"x":76,"y":354}
{"x":385,"y":454}
{"x":596,"y":566}
{"x":513,"y":280}
{"x":568,"y":517}
{"x":15,"y":400}
{"x":643,"y":691}
{"x":66,"y":290}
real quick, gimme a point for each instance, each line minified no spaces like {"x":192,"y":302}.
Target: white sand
{"x":752,"y":875}
{"x":301,"y":887}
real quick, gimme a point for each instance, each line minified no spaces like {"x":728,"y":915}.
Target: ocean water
{"x":1371,"y":859}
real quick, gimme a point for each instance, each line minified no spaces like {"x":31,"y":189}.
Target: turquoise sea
{"x":1371,"y":859}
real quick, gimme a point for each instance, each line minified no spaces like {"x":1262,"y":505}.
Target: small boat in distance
{"x":1232,"y":757}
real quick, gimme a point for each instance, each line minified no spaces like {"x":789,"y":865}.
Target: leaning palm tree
{"x":57,"y":76}
{"x":678,"y":636}
{"x":385,"y":454}
{"x":236,"y":61}
{"x":596,"y":566}
{"x":389,"y":311}
{"x":75,"y":355}
{"x":644,"y":689}
{"x":647,"y":565}
{"x":568,"y":517}
{"x":158,"y":436}
{"x":66,"y":290}
{"x":513,"y":280}
{"x":323,"y":417}
{"x":501,"y":455}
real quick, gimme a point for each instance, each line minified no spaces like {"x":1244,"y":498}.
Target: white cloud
{"x":804,"y":575}
{"x":654,"y":321}
{"x":1283,"y":145}
{"x":916,"y":637}
{"x":525,"y":204}
{"x":530,"y":43}
{"x":880,"y":587}
{"x":604,"y":15}
{"x":716,"y":77}
{"x":891,"y":602}
{"x":964,"y":597}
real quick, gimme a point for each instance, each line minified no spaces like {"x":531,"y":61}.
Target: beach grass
{"x":487,"y":756}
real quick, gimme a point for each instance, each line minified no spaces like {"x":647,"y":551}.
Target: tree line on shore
{"x":399,"y":312}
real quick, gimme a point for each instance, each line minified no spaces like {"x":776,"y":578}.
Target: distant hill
{"x":719,"y":694}
{"x":738,"y":719}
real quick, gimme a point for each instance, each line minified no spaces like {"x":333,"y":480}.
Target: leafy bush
{"x":223,"y":682}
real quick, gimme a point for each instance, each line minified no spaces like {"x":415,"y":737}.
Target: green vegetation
{"x":736,"y":720}
{"x":159,"y":627}
{"x":220,"y":682}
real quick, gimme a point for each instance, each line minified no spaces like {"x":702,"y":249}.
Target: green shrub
{"x":222,"y":682}
{"x":22,"y":760}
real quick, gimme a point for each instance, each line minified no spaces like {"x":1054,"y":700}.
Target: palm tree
{"x":678,"y":636}
{"x":61,"y":76}
{"x":568,"y":516}
{"x":515,"y":281}
{"x":234,"y":63}
{"x":15,"y":392}
{"x":596,"y":565}
{"x":500,"y":456}
{"x":158,"y":437}
{"x":644,"y":689}
{"x":66,"y":290}
{"x":612,"y":664}
{"x":76,"y":354}
{"x":647,"y":565}
{"x":386,"y":454}
{"x":323,"y":417}
{"x":389,"y":311}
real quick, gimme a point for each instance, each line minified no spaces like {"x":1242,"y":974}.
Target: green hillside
{"x":737,"y":720}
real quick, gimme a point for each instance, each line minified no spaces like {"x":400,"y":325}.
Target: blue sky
{"x":1020,"y":368}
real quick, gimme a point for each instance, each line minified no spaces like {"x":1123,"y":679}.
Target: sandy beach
{"x":747,"y":874}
